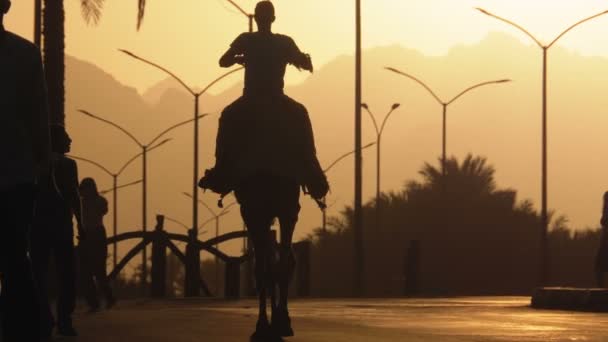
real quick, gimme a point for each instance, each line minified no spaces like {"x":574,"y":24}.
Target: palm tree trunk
{"x":54,"y":55}
{"x":38,"y":23}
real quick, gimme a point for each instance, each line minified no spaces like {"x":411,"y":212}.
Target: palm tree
{"x":473,"y":174}
{"x":54,"y":47}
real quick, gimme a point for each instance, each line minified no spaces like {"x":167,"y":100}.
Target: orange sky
{"x":189,"y":35}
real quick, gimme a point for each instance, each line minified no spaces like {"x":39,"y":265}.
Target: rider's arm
{"x":316,"y":182}
{"x":296,"y":57}
{"x":234,"y":54}
{"x":229,"y":58}
{"x":309,"y":137}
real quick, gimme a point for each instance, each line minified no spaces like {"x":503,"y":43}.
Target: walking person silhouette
{"x":265,"y":152}
{"x":25,"y":150}
{"x":53,"y":235}
{"x":93,"y":250}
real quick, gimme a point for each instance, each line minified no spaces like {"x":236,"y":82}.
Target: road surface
{"x":484,"y":319}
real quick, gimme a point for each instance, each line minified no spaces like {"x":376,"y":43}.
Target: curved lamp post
{"x":145,"y":149}
{"x":103,"y":192}
{"x":379,"y":130}
{"x":248,"y":15}
{"x":215,"y":217}
{"x":545,"y":48}
{"x":445,"y":104}
{"x":326,"y":170}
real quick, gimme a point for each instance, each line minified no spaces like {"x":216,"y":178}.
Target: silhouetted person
{"x":93,"y":250}
{"x":24,"y":153}
{"x":264,"y":152}
{"x":53,"y":235}
{"x":601,"y":260}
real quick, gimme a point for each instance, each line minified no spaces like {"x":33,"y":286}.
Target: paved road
{"x":417,"y":320}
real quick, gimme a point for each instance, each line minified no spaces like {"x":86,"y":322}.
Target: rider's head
{"x":5,"y":5}
{"x":264,"y":15}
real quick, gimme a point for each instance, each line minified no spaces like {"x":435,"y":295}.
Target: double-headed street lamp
{"x":379,"y":129}
{"x":544,"y":215}
{"x":145,"y":149}
{"x":103,"y":192}
{"x":196,"y":95}
{"x":326,"y":170}
{"x":359,"y":253}
{"x":215,"y":216}
{"x":183,"y":225}
{"x":115,"y":187}
{"x":445,"y":105}
{"x":248,"y":15}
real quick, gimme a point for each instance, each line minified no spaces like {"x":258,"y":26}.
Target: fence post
{"x":302,"y":254}
{"x":232,"y":281}
{"x":193,"y":272}
{"x":159,"y":259}
{"x":412,"y":269}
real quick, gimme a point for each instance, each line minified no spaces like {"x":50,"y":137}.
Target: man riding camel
{"x":265,"y":152}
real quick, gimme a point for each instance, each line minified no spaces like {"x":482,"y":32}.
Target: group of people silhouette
{"x":265,"y":153}
{"x":40,"y":195}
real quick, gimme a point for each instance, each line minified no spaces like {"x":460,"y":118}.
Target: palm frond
{"x":91,"y":10}
{"x":141,"y":10}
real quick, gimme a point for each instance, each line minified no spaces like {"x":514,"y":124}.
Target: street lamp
{"x":544,"y":216}
{"x":183,"y":225}
{"x":326,"y":170}
{"x":177,"y":222}
{"x":196,"y":96}
{"x":358,"y":200}
{"x":248,"y":15}
{"x":215,"y":217}
{"x":115,"y":187}
{"x":379,"y":130}
{"x":145,"y":149}
{"x":445,"y":104}
{"x":103,"y":192}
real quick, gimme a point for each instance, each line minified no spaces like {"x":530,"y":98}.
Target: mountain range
{"x":501,"y":122}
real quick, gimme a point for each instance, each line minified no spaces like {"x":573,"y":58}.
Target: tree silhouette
{"x":474,"y":239}
{"x":54,"y":47}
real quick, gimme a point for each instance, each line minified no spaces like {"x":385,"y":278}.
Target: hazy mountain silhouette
{"x":501,"y":122}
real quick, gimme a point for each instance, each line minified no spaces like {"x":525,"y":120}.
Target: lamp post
{"x":145,"y":149}
{"x":115,"y":187}
{"x":445,"y":105}
{"x":183,"y":225}
{"x":358,"y":200}
{"x":545,"y":48}
{"x":103,"y":192}
{"x":326,"y":170}
{"x":249,"y":16}
{"x":379,"y":131}
{"x":196,"y":95}
{"x":215,"y":216}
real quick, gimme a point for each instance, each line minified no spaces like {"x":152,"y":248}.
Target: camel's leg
{"x":286,"y":265}
{"x":280,"y":315}
{"x":272,"y":266}
{"x":261,"y":248}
